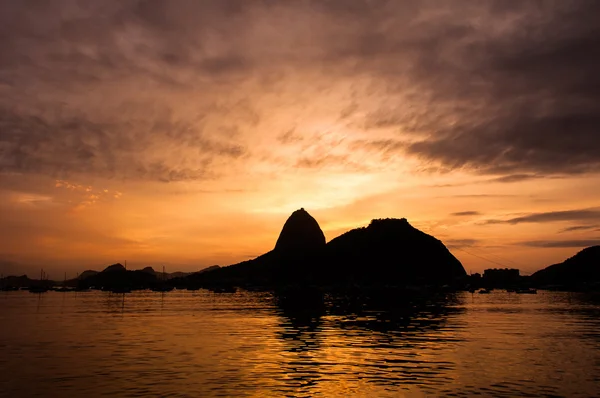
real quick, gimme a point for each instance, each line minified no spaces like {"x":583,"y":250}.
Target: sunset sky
{"x":184,"y":133}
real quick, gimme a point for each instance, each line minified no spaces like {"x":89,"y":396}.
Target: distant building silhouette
{"x":501,"y":276}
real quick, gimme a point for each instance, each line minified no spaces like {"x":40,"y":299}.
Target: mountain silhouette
{"x":115,"y":268}
{"x":87,"y":274}
{"x":18,"y":281}
{"x":117,"y":277}
{"x":300,"y":232}
{"x":148,"y":270}
{"x":583,"y":269}
{"x":211,"y":268}
{"x":393,"y":250}
{"x":387,"y":252}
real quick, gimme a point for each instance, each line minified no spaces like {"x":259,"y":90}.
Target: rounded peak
{"x":114,"y":267}
{"x":300,"y":232}
{"x":300,"y":211}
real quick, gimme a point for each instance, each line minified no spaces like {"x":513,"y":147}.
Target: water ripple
{"x":188,"y":344}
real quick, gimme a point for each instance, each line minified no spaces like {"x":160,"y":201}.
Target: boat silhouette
{"x":41,"y":288}
{"x":526,"y":291}
{"x":162,"y":287}
{"x":120,"y":290}
{"x":223,"y":289}
{"x":38,"y":289}
{"x":64,"y":287}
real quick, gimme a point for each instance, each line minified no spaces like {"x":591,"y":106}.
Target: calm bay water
{"x":193,"y":344}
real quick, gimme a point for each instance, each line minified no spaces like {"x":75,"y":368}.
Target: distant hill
{"x":211,"y":268}
{"x":387,"y":252}
{"x":23,"y":281}
{"x":177,"y":274}
{"x":116,"y":276}
{"x":115,"y":268}
{"x":16,"y":281}
{"x":87,"y":274}
{"x":581,"y":270}
{"x":120,"y":268}
{"x":149,"y":270}
{"x":166,"y":275}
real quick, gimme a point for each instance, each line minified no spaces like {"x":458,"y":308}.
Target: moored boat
{"x":120,"y":290}
{"x":526,"y":291}
{"x":162,"y":287}
{"x":38,"y":289}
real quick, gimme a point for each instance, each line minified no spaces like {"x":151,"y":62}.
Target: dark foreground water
{"x":194,"y":344}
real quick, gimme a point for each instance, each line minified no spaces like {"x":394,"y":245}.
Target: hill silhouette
{"x":115,"y":268}
{"x":148,"y":270}
{"x":392,"y":250}
{"x":117,"y":277}
{"x":300,"y":232}
{"x":12,"y":282}
{"x":87,"y":274}
{"x":581,"y":270}
{"x":387,"y":252}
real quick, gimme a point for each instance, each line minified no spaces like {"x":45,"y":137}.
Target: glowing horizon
{"x":185,"y":134}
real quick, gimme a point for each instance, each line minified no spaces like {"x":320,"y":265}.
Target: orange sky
{"x":185,"y":133}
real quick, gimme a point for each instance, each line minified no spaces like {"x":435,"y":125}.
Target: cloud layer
{"x":168,"y":91}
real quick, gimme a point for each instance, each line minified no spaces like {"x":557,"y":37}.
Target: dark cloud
{"x":579,"y":228}
{"x":562,"y":243}
{"x":552,"y":216}
{"x":466,"y":213}
{"x":538,"y":92}
{"x":509,"y":89}
{"x":60,"y":147}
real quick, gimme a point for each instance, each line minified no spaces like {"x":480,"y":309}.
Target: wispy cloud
{"x":589,"y":214}
{"x":31,"y":199}
{"x":510,"y":178}
{"x":579,"y":228}
{"x":86,"y":194}
{"x":561,"y":243}
{"x":460,"y":243}
{"x":76,"y":187}
{"x":466,"y":213}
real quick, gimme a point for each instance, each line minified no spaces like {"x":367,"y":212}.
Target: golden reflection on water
{"x":200,"y":343}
